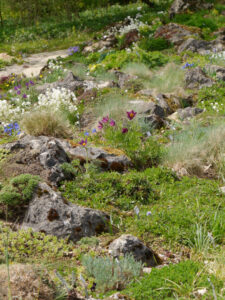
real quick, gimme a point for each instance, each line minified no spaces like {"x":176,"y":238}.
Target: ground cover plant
{"x":123,"y":148}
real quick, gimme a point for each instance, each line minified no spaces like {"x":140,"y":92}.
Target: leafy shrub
{"x":110,"y":274}
{"x":3,"y":154}
{"x":101,"y":189}
{"x":153,"y":44}
{"x":45,"y":122}
{"x":173,"y":282}
{"x":197,"y":20}
{"x":17,"y":192}
{"x":143,"y":152}
{"x":27,"y":244}
{"x":119,"y":59}
{"x":69,"y":170}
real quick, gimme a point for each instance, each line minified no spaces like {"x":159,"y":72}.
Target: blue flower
{"x":86,"y":133}
{"x":94,"y":130}
{"x":73,"y":50}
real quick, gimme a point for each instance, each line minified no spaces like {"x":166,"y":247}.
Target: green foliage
{"x":143,"y":152}
{"x":153,"y":44}
{"x":181,"y":205}
{"x":119,"y":59}
{"x":123,"y":191}
{"x":110,"y":274}
{"x":24,"y":245}
{"x":18,"y":192}
{"x":197,"y":20}
{"x":69,"y":170}
{"x":202,"y":241}
{"x":173,"y":282}
{"x":90,"y":241}
{"x":212,"y":98}
{"x":3,"y":154}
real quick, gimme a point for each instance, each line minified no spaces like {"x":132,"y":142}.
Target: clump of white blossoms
{"x":9,"y":112}
{"x":57,"y":99}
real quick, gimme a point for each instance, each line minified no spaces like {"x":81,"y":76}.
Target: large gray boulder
{"x":189,"y":112}
{"x":38,"y":156}
{"x":217,"y":70}
{"x":129,"y":244}
{"x":70,"y":82}
{"x":175,"y":33}
{"x":147,"y":107}
{"x":111,"y":159}
{"x":180,"y":6}
{"x":48,"y":212}
{"x":194,"y":45}
{"x":197,"y":78}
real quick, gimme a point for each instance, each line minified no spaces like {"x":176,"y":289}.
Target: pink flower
{"x":131,"y":114}
{"x":100,"y":126}
{"x":112,"y":123}
{"x":105,"y":119}
{"x":124,"y":130}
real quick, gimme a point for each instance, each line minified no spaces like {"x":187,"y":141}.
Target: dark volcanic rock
{"x":48,"y":212}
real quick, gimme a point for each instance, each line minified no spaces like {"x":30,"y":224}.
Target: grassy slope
{"x":183,"y":211}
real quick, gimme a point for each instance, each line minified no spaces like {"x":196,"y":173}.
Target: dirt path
{"x":33,"y":64}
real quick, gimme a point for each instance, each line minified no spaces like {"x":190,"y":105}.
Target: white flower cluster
{"x":134,"y":23}
{"x":54,"y":99}
{"x":53,"y":65}
{"x":8,"y":112}
{"x":218,"y":55}
{"x":58,"y":98}
{"x":216,"y":106}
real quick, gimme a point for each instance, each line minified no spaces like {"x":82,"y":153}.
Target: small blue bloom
{"x":86,"y":133}
{"x":149,"y":213}
{"x":94,"y":130}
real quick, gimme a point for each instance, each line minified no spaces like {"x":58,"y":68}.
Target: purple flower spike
{"x":18,"y":92}
{"x":124,"y":130}
{"x":24,"y":96}
{"x":131,"y":114}
{"x":112,"y":123}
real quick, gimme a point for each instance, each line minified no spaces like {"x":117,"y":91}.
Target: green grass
{"x":179,"y":206}
{"x":181,"y":281}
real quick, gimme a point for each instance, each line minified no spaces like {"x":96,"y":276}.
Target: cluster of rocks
{"x":186,"y":38}
{"x":181,"y":6}
{"x":44,"y":155}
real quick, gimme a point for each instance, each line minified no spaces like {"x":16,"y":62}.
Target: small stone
{"x":128,"y":244}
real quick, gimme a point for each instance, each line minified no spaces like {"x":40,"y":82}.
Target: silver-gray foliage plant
{"x":112,"y":273}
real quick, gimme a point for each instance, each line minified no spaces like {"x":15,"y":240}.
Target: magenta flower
{"x":124,"y":130}
{"x":83,"y":142}
{"x":131,"y":114}
{"x":105,"y":119}
{"x":100,"y":126}
{"x":112,"y":123}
